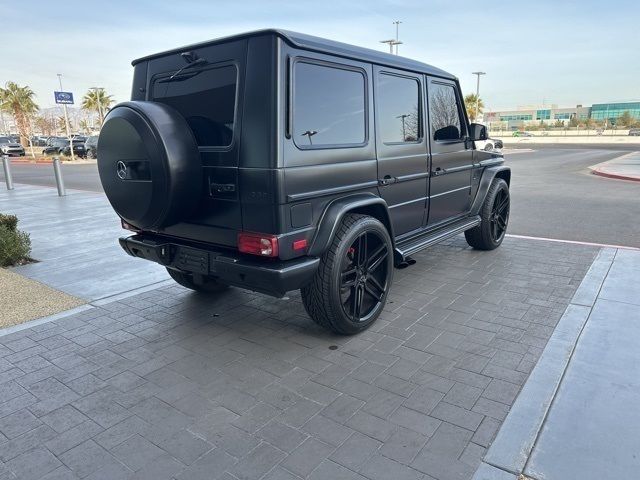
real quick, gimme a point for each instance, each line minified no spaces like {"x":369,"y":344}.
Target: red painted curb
{"x":615,"y":176}
{"x":31,"y":161}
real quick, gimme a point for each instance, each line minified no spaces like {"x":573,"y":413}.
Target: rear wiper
{"x":196,"y":62}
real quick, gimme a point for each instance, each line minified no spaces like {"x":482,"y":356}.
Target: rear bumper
{"x":269,"y":276}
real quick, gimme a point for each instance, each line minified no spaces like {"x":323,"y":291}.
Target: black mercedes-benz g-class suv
{"x":276,"y":161}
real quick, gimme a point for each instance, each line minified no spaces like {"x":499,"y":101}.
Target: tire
{"x":90,"y":154}
{"x":208,"y":284}
{"x":494,"y":216}
{"x":488,"y":147}
{"x":351,"y":286}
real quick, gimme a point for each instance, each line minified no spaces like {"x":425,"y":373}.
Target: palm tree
{"x":471,"y":101}
{"x":96,"y":99}
{"x":19,"y":102}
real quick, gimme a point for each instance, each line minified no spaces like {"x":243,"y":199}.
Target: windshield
{"x":5,"y":140}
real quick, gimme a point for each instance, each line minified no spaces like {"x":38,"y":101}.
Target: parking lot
{"x":169,"y":383}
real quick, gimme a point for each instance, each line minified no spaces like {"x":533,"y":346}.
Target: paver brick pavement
{"x":173,"y":384}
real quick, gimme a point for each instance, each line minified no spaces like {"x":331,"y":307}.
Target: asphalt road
{"x":553,"y":194}
{"x":79,"y":177}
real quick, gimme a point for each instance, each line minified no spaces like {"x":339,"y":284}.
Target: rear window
{"x":206,"y":99}
{"x":328,"y":106}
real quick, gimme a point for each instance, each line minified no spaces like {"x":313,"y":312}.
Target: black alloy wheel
{"x":494,"y":216}
{"x":352,"y":283}
{"x":500,"y":215}
{"x":364,"y":277}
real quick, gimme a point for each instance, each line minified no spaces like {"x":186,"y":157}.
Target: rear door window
{"x":206,"y":99}
{"x":398,"y":109}
{"x":328,"y":106}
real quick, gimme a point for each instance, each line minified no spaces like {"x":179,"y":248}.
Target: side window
{"x":445,"y":112}
{"x":328,"y":106}
{"x":398,"y":102}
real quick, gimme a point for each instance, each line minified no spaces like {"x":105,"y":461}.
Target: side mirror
{"x":477,"y":132}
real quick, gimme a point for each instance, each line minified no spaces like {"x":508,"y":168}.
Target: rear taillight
{"x":258,"y":244}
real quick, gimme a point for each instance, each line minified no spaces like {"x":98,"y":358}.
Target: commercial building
{"x":549,"y":115}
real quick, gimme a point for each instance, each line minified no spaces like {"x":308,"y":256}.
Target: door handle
{"x":387,"y":180}
{"x":439,"y":171}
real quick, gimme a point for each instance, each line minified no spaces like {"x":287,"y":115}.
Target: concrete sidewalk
{"x":75,"y":240}
{"x":625,"y":167}
{"x":577,"y":415}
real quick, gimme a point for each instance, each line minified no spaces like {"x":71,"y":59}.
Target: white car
{"x":489,"y":144}
{"x":10,"y":148}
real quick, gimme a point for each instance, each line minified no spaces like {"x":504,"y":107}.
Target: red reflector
{"x":128,"y":226}
{"x":300,"y":244}
{"x":258,"y":244}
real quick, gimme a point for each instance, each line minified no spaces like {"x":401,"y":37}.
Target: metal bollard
{"x":7,"y":172}
{"x":58,"y":173}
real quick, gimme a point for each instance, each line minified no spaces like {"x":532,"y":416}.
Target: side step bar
{"x":415,"y":244}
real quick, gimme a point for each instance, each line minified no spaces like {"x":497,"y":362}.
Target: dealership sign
{"x":64,"y":97}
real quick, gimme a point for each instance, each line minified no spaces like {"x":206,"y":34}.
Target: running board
{"x":415,"y":244}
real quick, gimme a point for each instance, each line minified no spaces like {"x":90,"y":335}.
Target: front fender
{"x":334,"y":212}
{"x":488,"y":175}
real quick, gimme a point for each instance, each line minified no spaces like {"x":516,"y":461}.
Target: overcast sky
{"x":562,"y":52}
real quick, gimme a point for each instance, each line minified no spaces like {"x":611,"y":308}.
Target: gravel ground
{"x":22,"y":299}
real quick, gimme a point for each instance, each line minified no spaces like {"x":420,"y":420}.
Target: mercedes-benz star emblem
{"x":121,"y":168}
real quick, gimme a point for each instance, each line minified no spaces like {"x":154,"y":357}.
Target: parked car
{"x":78,"y":148}
{"x":11,"y":148}
{"x":38,"y":141}
{"x":634,"y":132}
{"x":54,"y":145}
{"x":489,"y":144}
{"x":519,"y":133}
{"x":329,"y":184}
{"x":91,"y":146}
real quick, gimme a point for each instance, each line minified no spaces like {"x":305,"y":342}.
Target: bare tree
{"x":444,"y":109}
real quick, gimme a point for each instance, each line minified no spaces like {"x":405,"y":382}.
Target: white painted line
{"x":576,"y":242}
{"x":511,"y":151}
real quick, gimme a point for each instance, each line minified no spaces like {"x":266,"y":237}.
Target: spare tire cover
{"x":149,"y":164}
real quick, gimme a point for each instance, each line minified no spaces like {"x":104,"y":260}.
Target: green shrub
{"x":9,"y":221}
{"x":14,"y":244}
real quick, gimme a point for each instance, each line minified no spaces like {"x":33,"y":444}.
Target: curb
{"x":87,"y":306}
{"x":600,"y":173}
{"x":49,"y":162}
{"x":597,"y":169}
{"x":42,"y":320}
{"x":508,"y":454}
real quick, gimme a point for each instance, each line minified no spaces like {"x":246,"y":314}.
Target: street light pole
{"x":478,"y":94}
{"x":397,"y":42}
{"x":66,"y":120}
{"x":393,"y":41}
